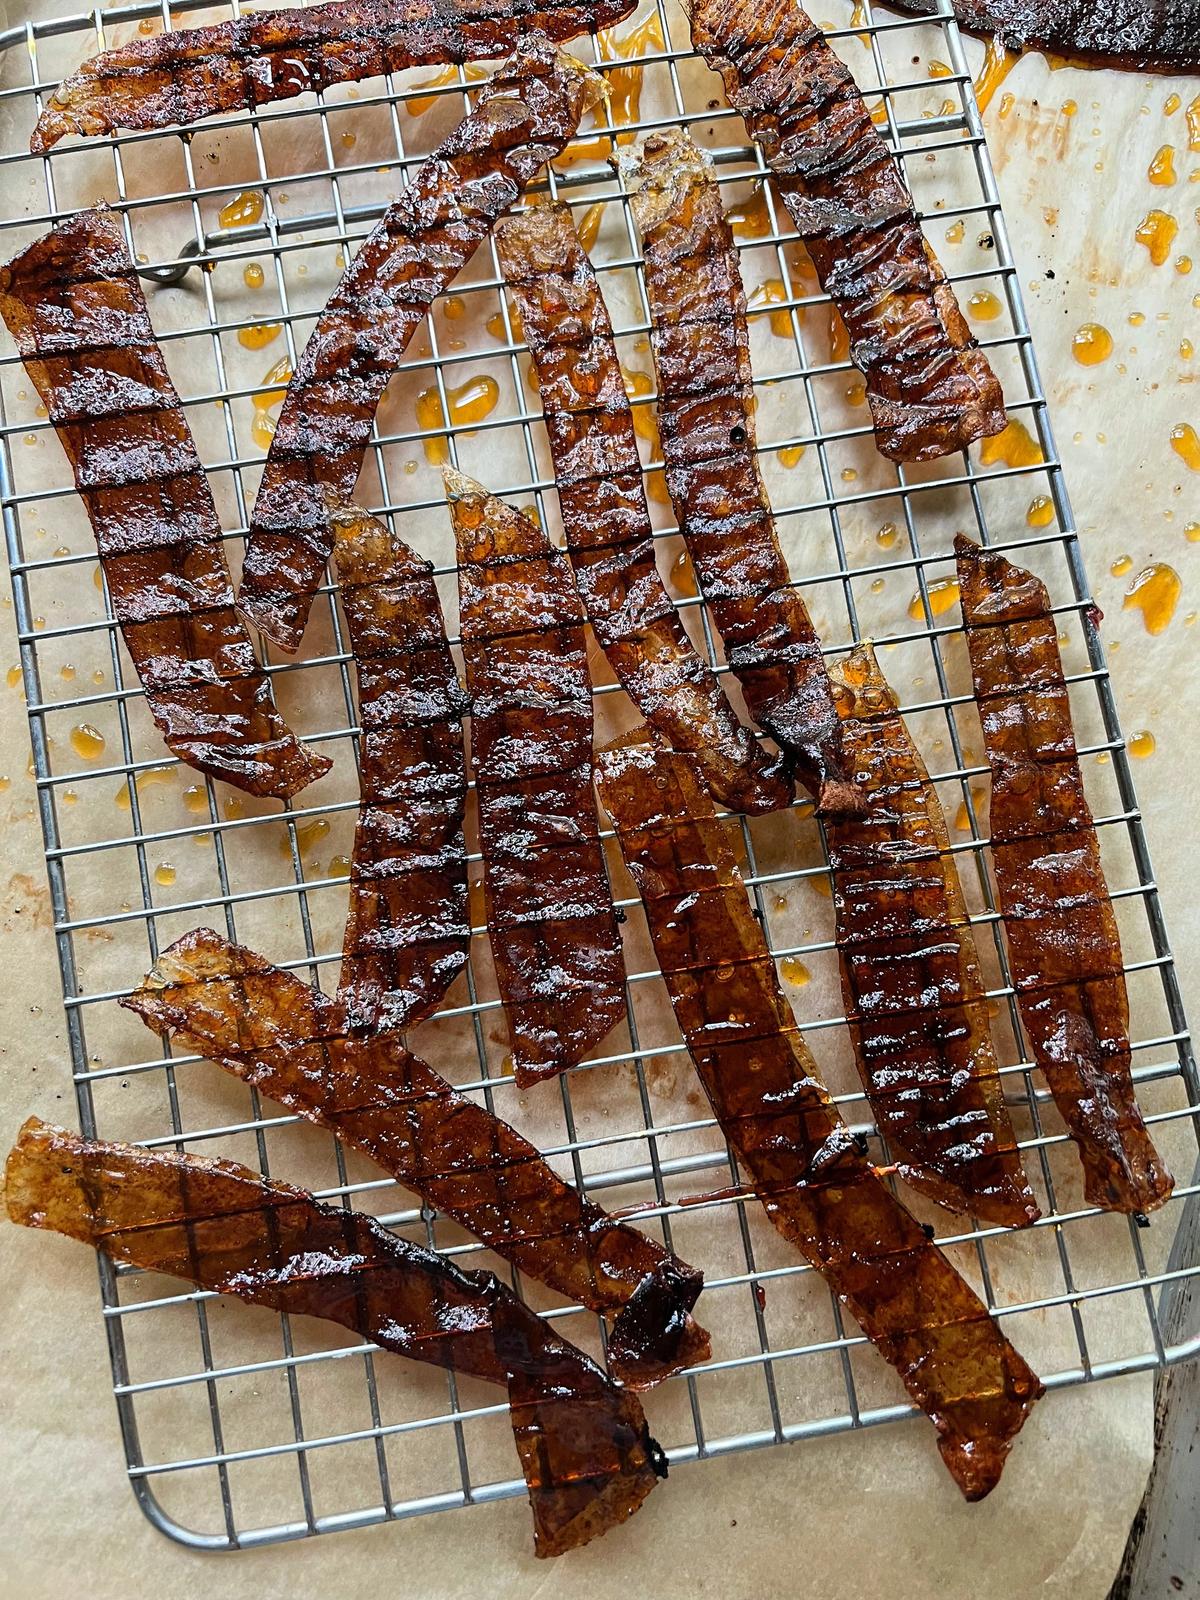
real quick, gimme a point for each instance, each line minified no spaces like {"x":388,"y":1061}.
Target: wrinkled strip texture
{"x":1064,"y":947}
{"x":585,"y":1451}
{"x":1141,"y":35}
{"x":524,"y":115}
{"x":910,"y":970}
{"x":551,"y":922}
{"x":287,"y":1040}
{"x":706,"y":422}
{"x":930,"y":387}
{"x":816,"y":1184}
{"x":178,"y":78}
{"x":74,"y":305}
{"x":408,"y":928}
{"x":604,"y":511}
{"x":804,"y":1164}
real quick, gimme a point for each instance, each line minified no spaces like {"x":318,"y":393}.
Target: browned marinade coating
{"x":914,"y":994}
{"x":408,"y":928}
{"x":174,"y":79}
{"x":930,"y":388}
{"x":817,"y":1185}
{"x":605,"y":516}
{"x":289,"y":1042}
{"x":1140,"y":35}
{"x":1064,"y":947}
{"x":550,"y":916}
{"x":586,"y":1453}
{"x":706,"y":421}
{"x":74,"y":305}
{"x":523,"y":116}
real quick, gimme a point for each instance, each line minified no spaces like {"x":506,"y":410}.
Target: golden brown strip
{"x":586,"y":1452}
{"x":75,"y":307}
{"x":408,"y":928}
{"x":523,"y":116}
{"x":551,"y":921}
{"x":289,"y":1041}
{"x":178,"y":78}
{"x":930,"y":387}
{"x":1138,"y":35}
{"x":814,"y":1181}
{"x":706,"y":421}
{"x":604,"y":512}
{"x":1064,"y":947}
{"x":910,"y":970}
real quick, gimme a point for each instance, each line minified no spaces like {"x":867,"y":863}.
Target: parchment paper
{"x":847,"y":1516}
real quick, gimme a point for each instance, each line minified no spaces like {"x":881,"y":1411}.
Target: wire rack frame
{"x":1161,"y":1056}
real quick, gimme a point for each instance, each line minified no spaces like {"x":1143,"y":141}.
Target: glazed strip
{"x":1063,"y":943}
{"x":604,"y":511}
{"x":74,"y":305}
{"x":805,"y":1165}
{"x":930,"y":387}
{"x":407,"y":929}
{"x":586,"y":1453}
{"x":1139,"y":35}
{"x":910,"y":970}
{"x":178,"y":78}
{"x":289,"y":1041}
{"x":706,"y":421}
{"x":551,"y":922}
{"x":524,"y":115}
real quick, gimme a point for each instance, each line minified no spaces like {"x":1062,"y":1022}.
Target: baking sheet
{"x":1095,"y":1441}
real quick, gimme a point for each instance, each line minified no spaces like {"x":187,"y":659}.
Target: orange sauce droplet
{"x":939,"y":69}
{"x":259,"y":335}
{"x":469,"y":402}
{"x":1171,"y":105}
{"x":14,"y":677}
{"x":750,"y":218}
{"x":164,"y":874}
{"x":421,"y":103}
{"x":625,"y":83}
{"x":771,"y":293}
{"x":1157,"y":231}
{"x":794,"y":970}
{"x":1142,"y":744}
{"x":349,"y":138}
{"x":1192,"y":533}
{"x":253,"y":275}
{"x":87,"y":742}
{"x":984,"y":306}
{"x":307,"y":835}
{"x":1186,"y":445}
{"x":243,"y":211}
{"x":1193,"y":122}
{"x":644,"y":421}
{"x":141,"y":783}
{"x":942,"y":595}
{"x":1041,"y":512}
{"x":339,"y":867}
{"x":598,"y":150}
{"x":887,"y":536}
{"x":998,"y":62}
{"x":1092,"y":345}
{"x":791,"y":455}
{"x":1155,"y":593}
{"x":1121,"y":566}
{"x":683,"y":575}
{"x":454,"y":307}
{"x":1015,"y":447}
{"x":956,"y":232}
{"x":195,"y":798}
{"x":588,"y":228}
{"x":962,"y":820}
{"x":1161,"y":171}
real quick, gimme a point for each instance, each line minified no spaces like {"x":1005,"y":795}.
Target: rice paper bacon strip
{"x":1139,"y":35}
{"x":524,"y":115}
{"x":586,"y":1453}
{"x":914,"y":995}
{"x":815,"y":1182}
{"x":74,"y":305}
{"x":289,"y":1041}
{"x":1064,"y":946}
{"x":701,"y":346}
{"x":408,"y":928}
{"x":178,"y":78}
{"x":604,"y":512}
{"x":551,"y":921}
{"x":930,"y":388}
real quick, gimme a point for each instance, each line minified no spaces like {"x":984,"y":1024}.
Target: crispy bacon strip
{"x":815,"y":1182}
{"x":706,"y":420}
{"x":930,"y":387}
{"x":174,"y":79}
{"x":524,"y":115}
{"x":586,"y":1452}
{"x":408,"y":928}
{"x":551,"y":922}
{"x":289,"y":1041}
{"x":73,"y":303}
{"x":604,"y":511}
{"x":910,"y":970}
{"x":1140,"y":35}
{"x":1064,"y":947}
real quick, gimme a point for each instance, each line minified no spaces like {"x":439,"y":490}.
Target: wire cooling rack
{"x":240,"y":1429}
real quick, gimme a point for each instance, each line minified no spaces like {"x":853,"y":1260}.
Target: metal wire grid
{"x":654,"y":1163}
